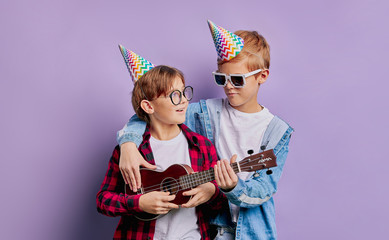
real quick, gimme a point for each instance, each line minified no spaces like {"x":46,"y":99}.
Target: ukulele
{"x":180,"y":177}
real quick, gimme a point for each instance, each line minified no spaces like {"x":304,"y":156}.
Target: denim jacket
{"x":256,"y":218}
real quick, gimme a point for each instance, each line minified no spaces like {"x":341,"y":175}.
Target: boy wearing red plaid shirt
{"x":160,"y":98}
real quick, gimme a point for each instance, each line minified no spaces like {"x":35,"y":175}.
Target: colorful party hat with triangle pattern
{"x":227,"y":44}
{"x":137,"y":65}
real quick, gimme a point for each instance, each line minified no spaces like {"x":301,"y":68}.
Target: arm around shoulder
{"x":129,"y":138}
{"x":132,"y":131}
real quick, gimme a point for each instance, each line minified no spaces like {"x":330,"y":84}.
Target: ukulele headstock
{"x":262,"y":160}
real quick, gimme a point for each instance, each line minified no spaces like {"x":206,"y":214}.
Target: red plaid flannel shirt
{"x":112,"y":201}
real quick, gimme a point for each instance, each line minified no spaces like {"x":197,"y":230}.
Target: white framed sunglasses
{"x":237,"y":80}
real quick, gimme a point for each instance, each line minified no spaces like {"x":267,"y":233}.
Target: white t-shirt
{"x":240,"y":132}
{"x":178,"y":223}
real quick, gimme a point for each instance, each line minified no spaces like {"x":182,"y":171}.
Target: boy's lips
{"x":231,"y":93}
{"x":180,"y":110}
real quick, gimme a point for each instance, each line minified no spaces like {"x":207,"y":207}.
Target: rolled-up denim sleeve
{"x":132,"y":131}
{"x":258,"y":190}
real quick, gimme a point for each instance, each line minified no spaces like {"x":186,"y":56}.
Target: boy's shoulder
{"x":279,"y":122}
{"x":115,"y":154}
{"x":277,"y":132}
{"x":194,"y":137}
{"x":213,"y":102}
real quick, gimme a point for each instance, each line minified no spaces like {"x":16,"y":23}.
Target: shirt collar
{"x":189,"y":134}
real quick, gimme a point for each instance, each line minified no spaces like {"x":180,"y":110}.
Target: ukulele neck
{"x":198,"y":178}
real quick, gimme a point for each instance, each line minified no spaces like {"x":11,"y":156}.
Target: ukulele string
{"x":185,"y":182}
{"x":189,"y":182}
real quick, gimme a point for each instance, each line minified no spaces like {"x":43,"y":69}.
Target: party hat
{"x":137,"y":65}
{"x":227,"y":44}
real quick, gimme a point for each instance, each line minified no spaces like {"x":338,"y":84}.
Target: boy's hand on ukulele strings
{"x":129,"y":162}
{"x":225,"y":176}
{"x":200,"y":194}
{"x":157,"y":202}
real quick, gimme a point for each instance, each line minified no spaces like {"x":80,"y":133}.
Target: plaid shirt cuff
{"x":133,"y":203}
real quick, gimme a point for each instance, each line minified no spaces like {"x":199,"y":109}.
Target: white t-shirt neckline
{"x":178,"y":223}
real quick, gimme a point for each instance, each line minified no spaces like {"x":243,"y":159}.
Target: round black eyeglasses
{"x":176,"y":95}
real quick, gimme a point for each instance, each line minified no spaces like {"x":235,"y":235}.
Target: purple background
{"x":65,"y":91}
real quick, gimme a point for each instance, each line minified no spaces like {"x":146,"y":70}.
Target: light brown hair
{"x":154,"y":83}
{"x":256,"y":51}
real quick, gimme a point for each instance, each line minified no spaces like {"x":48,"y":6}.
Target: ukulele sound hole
{"x":170,"y":185}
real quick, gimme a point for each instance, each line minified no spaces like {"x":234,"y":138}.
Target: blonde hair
{"x":154,"y":83}
{"x":256,"y":51}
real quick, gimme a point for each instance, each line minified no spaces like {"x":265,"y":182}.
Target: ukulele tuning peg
{"x":251,"y":151}
{"x":263,"y":147}
{"x":269,"y":171}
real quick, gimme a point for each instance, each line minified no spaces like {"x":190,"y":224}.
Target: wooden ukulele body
{"x":165,"y":181}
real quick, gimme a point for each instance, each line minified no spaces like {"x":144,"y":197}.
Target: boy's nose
{"x":229,"y":85}
{"x":183,"y":100}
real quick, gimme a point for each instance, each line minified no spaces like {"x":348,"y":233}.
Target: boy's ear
{"x":262,"y":76}
{"x":147,"y":106}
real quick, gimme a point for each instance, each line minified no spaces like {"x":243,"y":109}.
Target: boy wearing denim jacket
{"x":235,"y":125}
